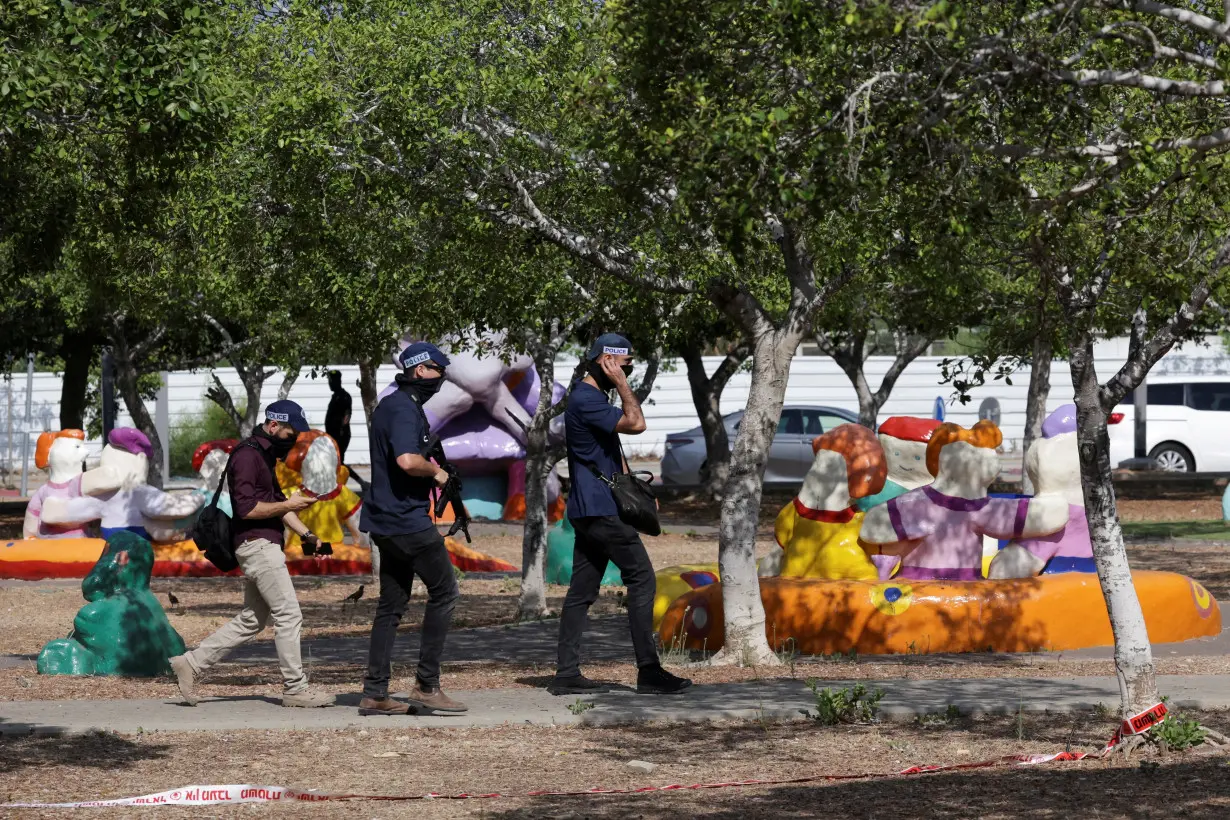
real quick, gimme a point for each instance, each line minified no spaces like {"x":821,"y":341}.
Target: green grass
{"x":210,"y":423}
{"x":1165,"y":530}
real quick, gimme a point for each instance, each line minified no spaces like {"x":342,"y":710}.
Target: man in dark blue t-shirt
{"x":592,"y":426}
{"x":396,"y":514}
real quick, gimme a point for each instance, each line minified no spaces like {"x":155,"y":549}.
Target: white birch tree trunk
{"x":1133,"y":653}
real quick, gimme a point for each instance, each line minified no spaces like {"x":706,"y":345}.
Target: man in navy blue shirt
{"x":592,"y":425}
{"x":396,"y":514}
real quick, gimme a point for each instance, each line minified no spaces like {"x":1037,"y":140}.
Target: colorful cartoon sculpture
{"x":560,"y":541}
{"x":904,"y":441}
{"x":938,"y":603}
{"x":476,"y":379}
{"x":937,"y":530}
{"x":1049,"y":613}
{"x":818,"y":530}
{"x":1053,"y":465}
{"x":63,"y":455}
{"x":480,"y":415}
{"x":673,"y":582}
{"x":209,"y":460}
{"x":514,"y":508}
{"x":123,"y":630}
{"x":116,"y":493}
{"x":314,"y":468}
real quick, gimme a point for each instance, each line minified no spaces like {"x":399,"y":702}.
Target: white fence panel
{"x":813,"y":380}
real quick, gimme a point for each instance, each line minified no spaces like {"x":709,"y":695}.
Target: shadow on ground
{"x":1195,"y":788}
{"x":103,"y":751}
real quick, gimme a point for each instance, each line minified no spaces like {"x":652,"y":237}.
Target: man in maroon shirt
{"x":260,"y":511}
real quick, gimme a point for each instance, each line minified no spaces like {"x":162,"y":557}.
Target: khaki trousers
{"x":267,"y":593}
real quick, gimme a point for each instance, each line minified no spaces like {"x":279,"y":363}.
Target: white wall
{"x":813,"y":380}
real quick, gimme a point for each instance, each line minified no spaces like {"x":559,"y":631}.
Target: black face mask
{"x":604,"y":382}
{"x":421,"y":389}
{"x":280,"y":447}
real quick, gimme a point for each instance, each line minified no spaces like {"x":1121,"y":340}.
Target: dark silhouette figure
{"x":337,"y":417}
{"x":337,"y":422}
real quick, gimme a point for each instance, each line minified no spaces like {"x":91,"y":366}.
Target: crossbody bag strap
{"x":226,"y":471}
{"x":593,"y":468}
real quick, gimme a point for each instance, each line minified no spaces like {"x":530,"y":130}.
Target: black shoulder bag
{"x":634,"y":498}
{"x":212,"y":530}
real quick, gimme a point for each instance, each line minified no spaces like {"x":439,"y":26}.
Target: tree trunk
{"x":78,"y":354}
{"x":126,"y":381}
{"x":746,"y":643}
{"x":1035,"y":402}
{"x":288,"y":383}
{"x":850,"y":357}
{"x":369,"y":391}
{"x":253,"y":379}
{"x":868,"y":407}
{"x":532,"y":603}
{"x":1133,"y":654}
{"x":707,"y":398}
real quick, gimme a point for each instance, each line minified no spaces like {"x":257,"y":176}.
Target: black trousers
{"x":599,"y":540}
{"x":401,"y":558}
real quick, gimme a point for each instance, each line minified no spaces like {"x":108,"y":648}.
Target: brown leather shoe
{"x":383,"y":706}
{"x":433,"y":700}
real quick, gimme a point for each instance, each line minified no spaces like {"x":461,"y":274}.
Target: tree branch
{"x":730,"y":365}
{"x":219,"y":395}
{"x":908,"y":348}
{"x":288,"y":381}
{"x":1147,"y":353}
{"x":651,"y":375}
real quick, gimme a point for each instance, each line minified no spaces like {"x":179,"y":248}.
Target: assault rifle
{"x":450,"y":493}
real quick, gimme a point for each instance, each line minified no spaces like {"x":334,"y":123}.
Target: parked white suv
{"x":1187,"y":428}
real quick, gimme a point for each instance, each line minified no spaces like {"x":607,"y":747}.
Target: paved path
{"x":771,"y":700}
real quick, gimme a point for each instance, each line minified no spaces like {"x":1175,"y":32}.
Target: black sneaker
{"x":577,"y":685}
{"x":654,"y":680}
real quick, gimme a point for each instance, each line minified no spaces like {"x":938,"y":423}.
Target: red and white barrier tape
{"x":214,"y":795}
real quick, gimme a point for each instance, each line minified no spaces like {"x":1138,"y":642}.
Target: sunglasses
{"x":434,"y":366}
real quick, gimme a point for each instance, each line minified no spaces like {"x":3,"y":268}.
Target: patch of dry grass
{"x":514,"y":760}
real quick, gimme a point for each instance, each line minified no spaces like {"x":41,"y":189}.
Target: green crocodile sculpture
{"x":123,"y":630}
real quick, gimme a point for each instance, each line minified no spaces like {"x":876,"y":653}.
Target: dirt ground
{"x":515,"y":760}
{"x":35,"y":614}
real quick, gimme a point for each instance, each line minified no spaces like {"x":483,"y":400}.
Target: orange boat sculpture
{"x":32,"y":559}
{"x":1046,"y":613}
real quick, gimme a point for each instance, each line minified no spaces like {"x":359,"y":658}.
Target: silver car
{"x":789,"y":457}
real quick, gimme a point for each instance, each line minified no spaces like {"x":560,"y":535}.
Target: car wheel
{"x":1173,"y":458}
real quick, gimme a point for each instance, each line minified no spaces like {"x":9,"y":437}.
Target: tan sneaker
{"x":382,"y":706}
{"x":186,"y":678}
{"x":433,"y":700}
{"x":308,"y":700}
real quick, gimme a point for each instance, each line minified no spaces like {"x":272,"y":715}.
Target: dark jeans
{"x":401,"y":558}
{"x":599,"y":540}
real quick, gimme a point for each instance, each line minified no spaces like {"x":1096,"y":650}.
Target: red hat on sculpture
{"x":909,"y":428}
{"x":223,"y":444}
